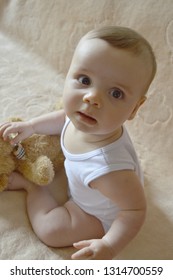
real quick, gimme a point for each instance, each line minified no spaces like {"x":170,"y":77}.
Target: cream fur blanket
{"x":37,"y":39}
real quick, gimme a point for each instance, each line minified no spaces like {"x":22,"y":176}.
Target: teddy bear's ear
{"x":14,"y":119}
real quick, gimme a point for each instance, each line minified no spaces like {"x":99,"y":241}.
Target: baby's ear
{"x":139,"y":103}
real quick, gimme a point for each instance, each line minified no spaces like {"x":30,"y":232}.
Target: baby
{"x":110,"y":73}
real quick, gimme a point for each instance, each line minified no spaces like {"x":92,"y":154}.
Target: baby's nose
{"x":93,"y":99}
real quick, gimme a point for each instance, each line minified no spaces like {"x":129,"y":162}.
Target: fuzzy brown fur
{"x":43,"y":157}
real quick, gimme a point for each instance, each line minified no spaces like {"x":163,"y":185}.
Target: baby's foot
{"x":17,"y":182}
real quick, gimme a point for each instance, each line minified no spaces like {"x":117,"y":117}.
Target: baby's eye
{"x":117,"y":93}
{"x":84,"y":80}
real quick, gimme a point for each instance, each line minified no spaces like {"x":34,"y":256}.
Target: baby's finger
{"x":18,"y":138}
{"x":7,"y":131}
{"x":3,"y":127}
{"x":83,"y":254}
{"x":3,"y":123}
{"x":11,"y":128}
{"x":82,"y":244}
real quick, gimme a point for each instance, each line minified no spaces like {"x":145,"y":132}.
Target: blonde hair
{"x":127,"y":39}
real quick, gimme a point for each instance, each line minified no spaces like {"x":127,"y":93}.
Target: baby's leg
{"x":60,"y":226}
{"x":56,"y":226}
{"x":17,"y":182}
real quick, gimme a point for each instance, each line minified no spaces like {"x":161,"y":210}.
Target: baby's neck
{"x":100,"y":140}
{"x":78,"y":142}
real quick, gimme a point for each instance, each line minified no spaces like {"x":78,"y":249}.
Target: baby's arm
{"x":50,"y":124}
{"x":124,"y":188}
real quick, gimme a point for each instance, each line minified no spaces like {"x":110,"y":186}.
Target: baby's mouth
{"x":86,"y":118}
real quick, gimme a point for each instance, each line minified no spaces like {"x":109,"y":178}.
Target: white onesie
{"x":82,"y":169}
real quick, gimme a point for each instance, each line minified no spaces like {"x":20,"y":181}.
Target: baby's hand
{"x":19,"y":130}
{"x":95,"y":249}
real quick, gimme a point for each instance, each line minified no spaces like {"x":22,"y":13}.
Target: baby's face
{"x":103,"y":87}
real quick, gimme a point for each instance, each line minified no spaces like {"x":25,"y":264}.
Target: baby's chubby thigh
{"x":73,"y":225}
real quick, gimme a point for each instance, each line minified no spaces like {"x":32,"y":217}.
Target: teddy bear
{"x":37,"y":158}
